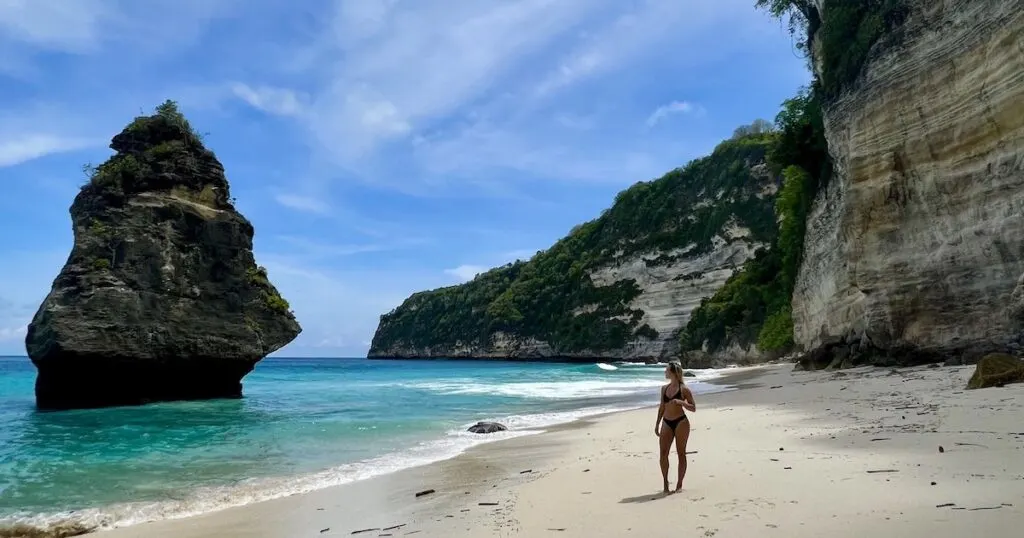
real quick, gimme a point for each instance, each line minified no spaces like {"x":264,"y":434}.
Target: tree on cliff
{"x":846,"y":31}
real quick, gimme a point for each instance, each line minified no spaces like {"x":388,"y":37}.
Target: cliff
{"x":619,"y":287}
{"x":915,"y":250}
{"x":160,"y":298}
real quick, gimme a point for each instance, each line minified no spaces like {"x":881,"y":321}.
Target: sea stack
{"x":160,"y":298}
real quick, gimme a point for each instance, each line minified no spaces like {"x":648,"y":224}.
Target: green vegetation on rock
{"x":156,"y":152}
{"x":257,"y":277}
{"x":551,"y":297}
{"x":754,"y":304}
{"x":843,"y":37}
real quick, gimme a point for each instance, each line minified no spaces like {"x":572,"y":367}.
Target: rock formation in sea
{"x":160,"y":298}
{"x":619,"y":287}
{"x":914,"y":251}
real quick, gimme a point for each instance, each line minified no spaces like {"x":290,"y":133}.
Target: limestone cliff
{"x":160,"y":298}
{"x":915,"y":249}
{"x":619,"y":287}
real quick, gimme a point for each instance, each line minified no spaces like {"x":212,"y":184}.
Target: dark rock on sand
{"x":160,"y":298}
{"x":996,"y":370}
{"x":487,"y":427}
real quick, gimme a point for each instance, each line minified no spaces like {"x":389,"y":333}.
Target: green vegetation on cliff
{"x":754,"y":305}
{"x":842,"y":37}
{"x":551,"y":297}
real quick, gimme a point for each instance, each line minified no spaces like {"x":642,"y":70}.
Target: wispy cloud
{"x":404,"y":66}
{"x":311,"y":249}
{"x":465,"y":273}
{"x":340,"y":308}
{"x":54,"y":24}
{"x":12,"y":333}
{"x":278,"y":101}
{"x":303,"y":203}
{"x":673,"y":108}
{"x":33,"y":146}
{"x":88,"y":26}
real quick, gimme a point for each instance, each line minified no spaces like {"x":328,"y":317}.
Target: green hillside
{"x":551,"y":297}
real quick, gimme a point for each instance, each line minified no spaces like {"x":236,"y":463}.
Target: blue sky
{"x":379,"y":147}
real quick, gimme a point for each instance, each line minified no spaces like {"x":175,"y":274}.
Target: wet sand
{"x":792,"y":454}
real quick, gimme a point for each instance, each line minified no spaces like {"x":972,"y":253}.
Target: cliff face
{"x":619,"y":287}
{"x":160,"y":298}
{"x":915,"y":250}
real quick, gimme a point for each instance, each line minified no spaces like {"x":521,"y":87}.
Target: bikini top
{"x":664,"y":394}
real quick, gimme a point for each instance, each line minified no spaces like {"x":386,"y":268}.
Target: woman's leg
{"x":665,"y":439}
{"x":682,"y":436}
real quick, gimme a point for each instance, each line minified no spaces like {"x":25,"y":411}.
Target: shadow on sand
{"x":645,"y":498}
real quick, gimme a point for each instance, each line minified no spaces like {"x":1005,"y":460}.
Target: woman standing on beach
{"x":672,"y":424}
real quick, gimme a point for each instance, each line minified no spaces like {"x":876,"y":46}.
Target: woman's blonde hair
{"x":677,"y":369}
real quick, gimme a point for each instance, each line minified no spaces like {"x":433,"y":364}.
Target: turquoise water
{"x":304,"y":424}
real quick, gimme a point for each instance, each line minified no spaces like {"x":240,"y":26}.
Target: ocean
{"x":304,"y":424}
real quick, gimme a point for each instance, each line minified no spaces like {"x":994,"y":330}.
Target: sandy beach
{"x":864,"y":452}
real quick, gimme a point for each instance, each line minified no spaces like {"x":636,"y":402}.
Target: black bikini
{"x":674,"y":422}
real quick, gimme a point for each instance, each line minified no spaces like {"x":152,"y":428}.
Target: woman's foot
{"x":666,"y":488}
{"x":679,"y":486}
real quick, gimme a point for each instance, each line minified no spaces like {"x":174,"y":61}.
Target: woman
{"x":672,"y":424}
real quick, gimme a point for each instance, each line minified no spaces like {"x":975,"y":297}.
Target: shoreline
{"x":539,"y":360}
{"x":213,"y":500}
{"x":805,"y":453}
{"x":395,"y":486}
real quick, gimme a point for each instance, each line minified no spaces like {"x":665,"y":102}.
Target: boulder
{"x":996,"y":370}
{"x":160,"y":297}
{"x":486,"y":427}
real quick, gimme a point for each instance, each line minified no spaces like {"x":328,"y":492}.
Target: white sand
{"x":600,"y":478}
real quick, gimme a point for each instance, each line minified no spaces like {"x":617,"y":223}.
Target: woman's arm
{"x":688,"y":402}
{"x":657,"y":423}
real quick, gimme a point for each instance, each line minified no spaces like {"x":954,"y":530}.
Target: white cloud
{"x":25,"y":148}
{"x":465,"y":273}
{"x":635,"y":31}
{"x":464,"y":154}
{"x":339,"y":310}
{"x":571,"y":70}
{"x":675,"y":107}
{"x":310,"y":249}
{"x":88,"y":26}
{"x":306,"y":204}
{"x":404,"y":65}
{"x":9,"y":334}
{"x":277,"y":101}
{"x":54,"y":24}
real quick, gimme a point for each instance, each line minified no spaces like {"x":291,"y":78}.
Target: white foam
{"x":211,"y":499}
{"x":549,"y":390}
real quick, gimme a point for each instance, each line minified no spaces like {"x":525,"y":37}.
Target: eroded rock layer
{"x":915,"y":250}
